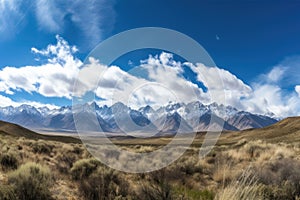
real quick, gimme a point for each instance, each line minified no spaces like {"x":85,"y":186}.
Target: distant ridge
{"x":286,"y":130}
{"x":15,"y":130}
{"x":120,"y":118}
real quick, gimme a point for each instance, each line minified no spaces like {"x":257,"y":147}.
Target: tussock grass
{"x":243,"y":188}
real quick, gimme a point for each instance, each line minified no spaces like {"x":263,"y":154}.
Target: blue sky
{"x":254,"y":40}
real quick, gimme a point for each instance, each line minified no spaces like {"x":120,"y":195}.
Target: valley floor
{"x":242,"y":168}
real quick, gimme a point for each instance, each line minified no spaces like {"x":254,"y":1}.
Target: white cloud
{"x":49,"y":16}
{"x":156,"y":81}
{"x":53,"y":79}
{"x":297,"y":89}
{"x":6,"y":101}
{"x":276,"y":74}
{"x":90,"y":17}
{"x":163,"y":83}
{"x":272,"y":91}
{"x":265,"y":98}
{"x":224,"y":87}
{"x":285,"y":74}
{"x":267,"y":95}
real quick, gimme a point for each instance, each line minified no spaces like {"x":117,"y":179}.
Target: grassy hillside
{"x":287,"y":130}
{"x":19,"y":131}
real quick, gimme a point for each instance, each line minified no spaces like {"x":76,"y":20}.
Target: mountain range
{"x":171,"y":118}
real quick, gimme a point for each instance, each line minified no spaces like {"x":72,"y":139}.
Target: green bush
{"x":7,"y":193}
{"x":9,"y":161}
{"x":31,"y":181}
{"x":83,"y":168}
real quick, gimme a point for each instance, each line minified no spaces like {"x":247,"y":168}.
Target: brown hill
{"x":286,"y":130}
{"x":15,"y":130}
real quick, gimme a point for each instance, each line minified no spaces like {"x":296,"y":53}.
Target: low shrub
{"x":190,"y":165}
{"x":104,"y":184}
{"x":31,"y":181}
{"x":77,"y":150}
{"x":158,"y":186}
{"x":41,"y":147}
{"x":7,"y":193}
{"x":284,"y":176}
{"x":277,"y":192}
{"x":84,"y":168}
{"x":65,"y":162}
{"x":9,"y":161}
{"x":184,"y":193}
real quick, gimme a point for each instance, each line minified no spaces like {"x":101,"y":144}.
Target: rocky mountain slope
{"x":118,"y":118}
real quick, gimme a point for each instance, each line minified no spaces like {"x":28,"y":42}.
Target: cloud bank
{"x":156,"y":81}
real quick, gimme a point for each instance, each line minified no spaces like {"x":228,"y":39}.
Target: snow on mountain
{"x":212,"y":122}
{"x":193,"y":116}
{"x":245,"y":120}
{"x":149,"y":112}
{"x":172,"y":123}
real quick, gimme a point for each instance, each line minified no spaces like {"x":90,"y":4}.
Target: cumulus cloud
{"x":165,"y":71}
{"x":276,"y":91}
{"x":53,"y":79}
{"x":158,"y":80}
{"x":270,"y":99}
{"x":223,"y":86}
{"x":163,"y":82}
